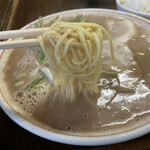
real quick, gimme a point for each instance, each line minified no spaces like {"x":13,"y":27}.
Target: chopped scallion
{"x":79,"y":19}
{"x":40,"y":23}
{"x":35,"y":82}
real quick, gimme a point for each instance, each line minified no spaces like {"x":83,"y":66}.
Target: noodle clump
{"x":74,"y":53}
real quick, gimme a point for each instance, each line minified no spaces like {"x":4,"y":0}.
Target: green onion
{"x":35,"y":82}
{"x":79,"y":19}
{"x":54,"y":20}
{"x":40,"y":23}
{"x":41,"y":56}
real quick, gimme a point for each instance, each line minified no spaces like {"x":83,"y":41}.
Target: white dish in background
{"x":125,"y":9}
{"x":64,"y":137}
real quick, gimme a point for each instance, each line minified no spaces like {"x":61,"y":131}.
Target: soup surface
{"x":123,"y":101}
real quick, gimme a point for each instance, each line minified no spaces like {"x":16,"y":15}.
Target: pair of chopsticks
{"x":20,"y":42}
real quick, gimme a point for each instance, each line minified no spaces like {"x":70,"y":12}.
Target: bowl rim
{"x":132,"y":10}
{"x":75,"y":139}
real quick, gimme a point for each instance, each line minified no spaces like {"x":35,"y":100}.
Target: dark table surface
{"x":13,"y":15}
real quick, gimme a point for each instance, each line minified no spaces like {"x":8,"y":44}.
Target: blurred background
{"x":14,"y":14}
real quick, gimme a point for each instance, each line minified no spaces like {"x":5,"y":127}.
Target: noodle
{"x":74,"y":53}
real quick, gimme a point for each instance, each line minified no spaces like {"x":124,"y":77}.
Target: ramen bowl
{"x":64,"y":137}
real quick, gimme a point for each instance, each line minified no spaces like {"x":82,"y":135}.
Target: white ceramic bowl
{"x":62,"y":137}
{"x":125,"y":9}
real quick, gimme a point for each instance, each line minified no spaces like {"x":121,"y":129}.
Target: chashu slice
{"x":122,"y":52}
{"x":122,"y":30}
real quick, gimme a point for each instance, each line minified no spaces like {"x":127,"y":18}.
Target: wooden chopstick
{"x":21,"y":42}
{"x":22,"y":33}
